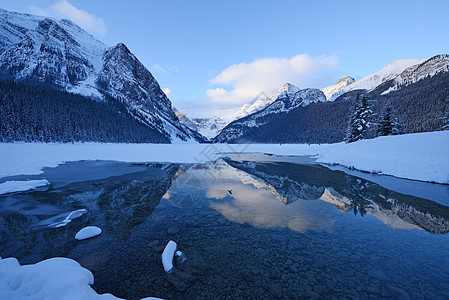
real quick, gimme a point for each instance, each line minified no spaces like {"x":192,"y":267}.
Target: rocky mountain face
{"x":60,"y":54}
{"x":185,"y":120}
{"x":286,"y":99}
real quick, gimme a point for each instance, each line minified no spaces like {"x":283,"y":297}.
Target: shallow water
{"x":284,"y":231}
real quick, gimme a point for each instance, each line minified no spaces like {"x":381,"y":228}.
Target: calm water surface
{"x":286,"y":230}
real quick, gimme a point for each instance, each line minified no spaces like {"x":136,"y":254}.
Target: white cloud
{"x":159,"y":69}
{"x":247,"y":80}
{"x":64,"y":9}
{"x":166,"y":91}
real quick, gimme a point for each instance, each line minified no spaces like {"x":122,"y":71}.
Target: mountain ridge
{"x":419,"y":100}
{"x":287,"y":98}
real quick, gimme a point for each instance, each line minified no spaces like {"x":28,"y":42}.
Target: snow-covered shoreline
{"x":419,"y":156}
{"x":53,"y":279}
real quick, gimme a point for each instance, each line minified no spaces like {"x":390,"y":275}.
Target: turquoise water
{"x":283,"y":231}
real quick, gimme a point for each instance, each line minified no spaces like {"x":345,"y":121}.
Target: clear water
{"x":283,"y":231}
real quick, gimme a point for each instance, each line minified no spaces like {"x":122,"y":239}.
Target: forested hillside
{"x":35,"y":113}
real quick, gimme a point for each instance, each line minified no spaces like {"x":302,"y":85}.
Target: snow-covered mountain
{"x":372,"y":81}
{"x":209,"y":127}
{"x":428,"y":68}
{"x":58,"y":53}
{"x":287,"y":98}
{"x":341,"y":84}
{"x":246,"y":109}
{"x":185,"y":120}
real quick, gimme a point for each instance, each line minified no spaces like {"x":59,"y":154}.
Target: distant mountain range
{"x":58,"y":54}
{"x":417,"y":89}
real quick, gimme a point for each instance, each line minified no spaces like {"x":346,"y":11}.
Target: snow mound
{"x":14,"y":186}
{"x":167,"y":256}
{"x":87,"y":233}
{"x":57,"y":278}
{"x":51,"y":279}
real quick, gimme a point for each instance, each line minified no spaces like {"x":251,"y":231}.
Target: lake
{"x":250,"y":226}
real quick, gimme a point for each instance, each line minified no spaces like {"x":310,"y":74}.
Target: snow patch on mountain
{"x":429,"y":68}
{"x":341,"y":83}
{"x":374,"y":80}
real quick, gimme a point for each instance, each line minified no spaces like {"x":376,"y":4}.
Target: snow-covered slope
{"x":428,"y":68}
{"x":374,"y":80}
{"x":59,"y":53}
{"x":185,"y":120}
{"x":287,"y":98}
{"x":249,"y":108}
{"x":209,"y":127}
{"x":341,"y":83}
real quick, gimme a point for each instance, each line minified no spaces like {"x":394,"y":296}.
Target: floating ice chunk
{"x":88,"y":232}
{"x":15,"y":186}
{"x":167,"y":256}
{"x":72,"y":215}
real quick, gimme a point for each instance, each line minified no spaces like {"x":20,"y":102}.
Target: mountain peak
{"x":346,"y":79}
{"x":341,"y":84}
{"x":289,"y":87}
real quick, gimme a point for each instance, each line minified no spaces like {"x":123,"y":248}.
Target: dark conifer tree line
{"x":36,"y":113}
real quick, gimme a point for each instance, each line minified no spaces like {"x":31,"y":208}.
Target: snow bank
{"x":168,"y":255}
{"x":420,"y":156}
{"x":87,"y":233}
{"x":51,"y":279}
{"x":21,"y":186}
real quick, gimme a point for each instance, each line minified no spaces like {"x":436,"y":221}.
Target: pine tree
{"x":446,"y":117}
{"x":359,"y":120}
{"x":388,"y":123}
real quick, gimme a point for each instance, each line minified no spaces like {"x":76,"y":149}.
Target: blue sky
{"x":226,"y":52}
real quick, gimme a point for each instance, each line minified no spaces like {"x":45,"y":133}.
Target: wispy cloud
{"x":64,"y":9}
{"x":158,"y":68}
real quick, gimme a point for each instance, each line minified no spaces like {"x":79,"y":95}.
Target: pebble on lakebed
{"x":88,"y":232}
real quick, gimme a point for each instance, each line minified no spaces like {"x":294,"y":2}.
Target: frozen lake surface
{"x":250,"y":227}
